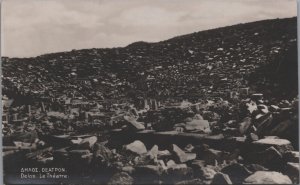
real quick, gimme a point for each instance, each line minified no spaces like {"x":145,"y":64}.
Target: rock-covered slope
{"x":261,"y":55}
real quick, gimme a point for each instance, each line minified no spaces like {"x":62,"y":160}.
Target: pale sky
{"x":35,"y":27}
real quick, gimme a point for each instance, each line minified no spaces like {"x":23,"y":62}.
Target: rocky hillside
{"x":260,"y":55}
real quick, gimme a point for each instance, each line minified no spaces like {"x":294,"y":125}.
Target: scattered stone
{"x":180,"y":156}
{"x":255,"y":167}
{"x":252,"y":137}
{"x":133,"y":124}
{"x":210,"y":156}
{"x":221,"y":178}
{"x":170,"y":163}
{"x":292,"y":156}
{"x":237,"y":172}
{"x":245,"y":125}
{"x":163,"y":154}
{"x":153,"y":152}
{"x":88,"y":143}
{"x":137,"y":147}
{"x":266,"y":177}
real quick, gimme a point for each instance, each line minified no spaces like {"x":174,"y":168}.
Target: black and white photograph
{"x":124,"y":92}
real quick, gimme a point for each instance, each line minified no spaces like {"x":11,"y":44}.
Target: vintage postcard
{"x":149,"y":92}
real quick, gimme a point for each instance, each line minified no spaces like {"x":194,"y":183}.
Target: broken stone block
{"x":212,"y":156}
{"x":251,"y":107}
{"x":180,"y":156}
{"x":263,"y":109}
{"x":237,"y":172}
{"x":76,"y":141}
{"x":252,"y":137}
{"x":88,"y":143}
{"x":120,"y":179}
{"x":153,"y":152}
{"x":136,"y":147}
{"x":133,"y":124}
{"x":245,"y":125}
{"x":163,"y":154}
{"x":274,"y":108}
{"x":267,"y":177}
{"x":221,"y":178}
{"x":291,"y":156}
{"x":255,"y":167}
{"x":263,"y":122}
{"x":198,"y":126}
{"x":180,"y":172}
{"x":282,"y":145}
{"x":266,"y":158}
{"x":145,"y":159}
{"x":170,"y":163}
{"x":292,"y":170}
{"x":151,"y":169}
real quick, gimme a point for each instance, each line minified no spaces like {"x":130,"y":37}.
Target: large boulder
{"x":282,"y":145}
{"x":136,"y":147}
{"x":267,"y":177}
{"x":267,"y":158}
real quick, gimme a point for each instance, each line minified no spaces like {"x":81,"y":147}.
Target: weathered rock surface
{"x":221,"y":178}
{"x":137,"y":147}
{"x":266,"y":177}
